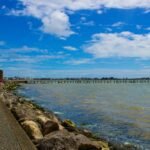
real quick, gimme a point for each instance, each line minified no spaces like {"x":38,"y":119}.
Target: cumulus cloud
{"x":57,"y":23}
{"x":54,"y":13}
{"x":70,"y":48}
{"x":124,"y":44}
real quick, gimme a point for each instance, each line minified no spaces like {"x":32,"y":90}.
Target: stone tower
{"x":1,"y":75}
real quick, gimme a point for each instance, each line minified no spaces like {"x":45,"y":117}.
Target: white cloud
{"x":70,"y":48}
{"x":25,"y":49}
{"x":57,"y":23}
{"x":124,"y":44}
{"x":23,"y":54}
{"x":89,"y":23}
{"x":118,"y":24}
{"x":109,"y":29}
{"x":84,"y":21}
{"x":54,"y":13}
{"x":79,"y":61}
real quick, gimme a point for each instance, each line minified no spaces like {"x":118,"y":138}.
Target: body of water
{"x":117,"y":112}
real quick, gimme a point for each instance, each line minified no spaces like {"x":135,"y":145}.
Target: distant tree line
{"x":82,"y":78}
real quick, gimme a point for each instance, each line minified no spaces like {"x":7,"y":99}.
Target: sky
{"x":75,"y":38}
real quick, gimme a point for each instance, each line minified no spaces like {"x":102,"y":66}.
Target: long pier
{"x":61,"y":81}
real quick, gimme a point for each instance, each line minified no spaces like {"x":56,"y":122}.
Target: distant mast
{"x":1,"y":75}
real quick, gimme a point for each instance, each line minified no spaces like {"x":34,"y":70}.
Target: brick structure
{"x":1,"y":75}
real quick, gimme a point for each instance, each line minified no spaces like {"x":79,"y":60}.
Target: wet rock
{"x":69,"y":125}
{"x":32,"y":129}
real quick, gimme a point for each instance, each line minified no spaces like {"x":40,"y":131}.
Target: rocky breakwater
{"x":45,"y":129}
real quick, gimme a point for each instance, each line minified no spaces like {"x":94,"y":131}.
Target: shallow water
{"x":117,"y":112}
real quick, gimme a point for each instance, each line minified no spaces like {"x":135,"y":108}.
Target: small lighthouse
{"x":1,"y":75}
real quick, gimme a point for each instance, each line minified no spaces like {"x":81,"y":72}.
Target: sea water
{"x":117,"y":112}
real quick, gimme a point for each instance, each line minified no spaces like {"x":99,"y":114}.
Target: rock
{"x":8,"y":99}
{"x":42,"y":119}
{"x":47,"y":124}
{"x":86,"y":132}
{"x":85,"y":143}
{"x":23,"y":112}
{"x":58,"y":140}
{"x":52,"y":116}
{"x":50,"y":126}
{"x":39,"y":112}
{"x":61,"y":127}
{"x":87,"y":147}
{"x":102,"y":145}
{"x":69,"y":125}
{"x":32,"y":129}
{"x":65,"y":140}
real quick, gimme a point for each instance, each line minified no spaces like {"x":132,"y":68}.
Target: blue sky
{"x":75,"y":38}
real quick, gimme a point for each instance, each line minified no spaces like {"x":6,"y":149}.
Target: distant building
{"x":1,"y":75}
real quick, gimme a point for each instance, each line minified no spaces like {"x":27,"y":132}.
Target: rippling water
{"x":117,"y":112}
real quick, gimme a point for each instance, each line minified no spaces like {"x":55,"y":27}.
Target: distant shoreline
{"x":79,"y":80}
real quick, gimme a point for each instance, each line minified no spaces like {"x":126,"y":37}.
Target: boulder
{"x":85,"y":143}
{"x":32,"y":129}
{"x":42,"y":119}
{"x":8,"y":99}
{"x":69,"y":125}
{"x":58,"y":140}
{"x":24,"y":112}
{"x":47,"y":124}
{"x":65,"y":140}
{"x":87,"y":147}
{"x":86,"y":132}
